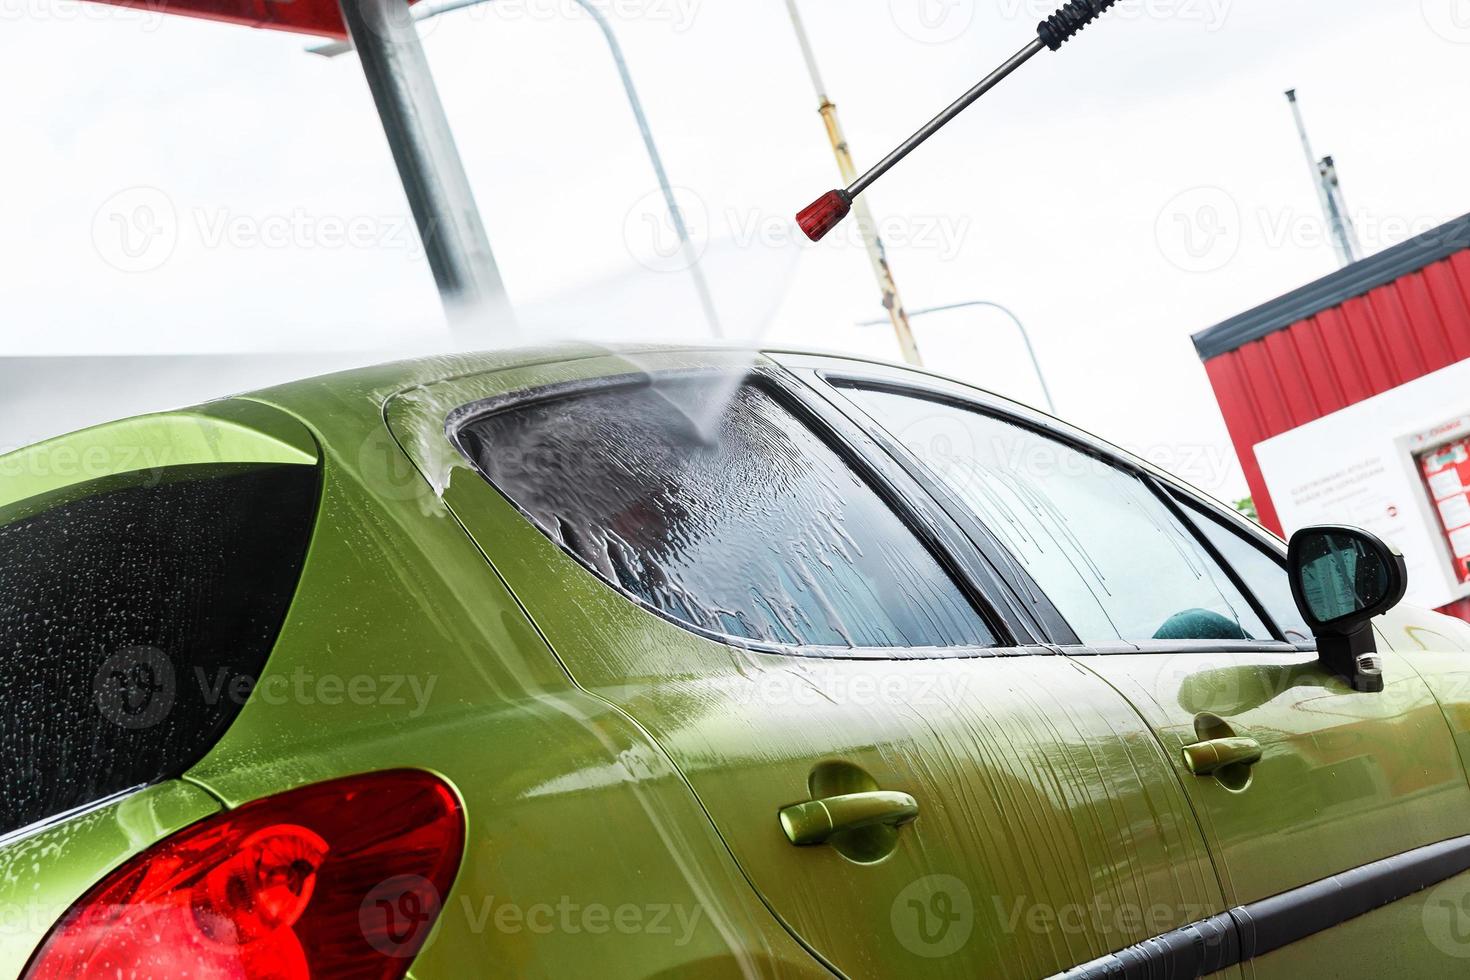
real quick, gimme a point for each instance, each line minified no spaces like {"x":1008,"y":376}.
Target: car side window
{"x":1106,"y":550}
{"x":742,"y":523}
{"x":1263,"y":573}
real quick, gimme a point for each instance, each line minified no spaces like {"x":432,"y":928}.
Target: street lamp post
{"x":1020,"y":327}
{"x":676,"y":215}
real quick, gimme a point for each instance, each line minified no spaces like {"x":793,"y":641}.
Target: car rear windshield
{"x":130,"y":608}
{"x":722,"y":510}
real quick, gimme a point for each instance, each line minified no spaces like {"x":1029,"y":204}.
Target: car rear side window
{"x":1105,"y":549}
{"x":128,"y":607}
{"x":741,"y":522}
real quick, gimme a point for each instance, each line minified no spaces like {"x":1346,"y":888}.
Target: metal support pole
{"x":1343,"y":225}
{"x":877,"y":255}
{"x":433,"y":175}
{"x":676,"y":216}
{"x":1021,"y":327}
{"x":1342,"y":242}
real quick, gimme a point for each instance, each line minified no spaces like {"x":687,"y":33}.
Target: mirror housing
{"x":1341,"y":578}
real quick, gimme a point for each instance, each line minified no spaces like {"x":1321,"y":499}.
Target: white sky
{"x":1139,"y":186}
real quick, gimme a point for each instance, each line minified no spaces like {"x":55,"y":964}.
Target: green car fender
{"x":585,"y":849}
{"x":1439,"y":648}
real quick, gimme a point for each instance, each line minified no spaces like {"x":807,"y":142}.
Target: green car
{"x":661,"y":662}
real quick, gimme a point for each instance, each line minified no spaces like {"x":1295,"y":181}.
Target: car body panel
{"x":1002,"y":752}
{"x":585,"y":849}
{"x":1439,"y":648}
{"x":621,"y":775}
{"x":222,"y":432}
{"x":1346,"y":778}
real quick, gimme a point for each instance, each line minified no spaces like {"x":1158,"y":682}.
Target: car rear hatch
{"x":141,"y":562}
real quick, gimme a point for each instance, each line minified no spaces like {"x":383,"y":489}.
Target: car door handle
{"x":815,"y":821}
{"x":1206,"y":758}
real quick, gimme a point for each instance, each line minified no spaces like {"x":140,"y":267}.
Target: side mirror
{"x":1341,"y":577}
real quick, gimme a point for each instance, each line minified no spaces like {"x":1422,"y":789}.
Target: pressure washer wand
{"x":824,"y":214}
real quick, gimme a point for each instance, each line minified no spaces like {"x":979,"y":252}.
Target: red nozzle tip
{"x":824,"y":214}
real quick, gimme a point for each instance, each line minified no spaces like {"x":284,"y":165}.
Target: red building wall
{"x":1374,"y":326}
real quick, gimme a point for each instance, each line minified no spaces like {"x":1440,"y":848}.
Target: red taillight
{"x":338,"y":879}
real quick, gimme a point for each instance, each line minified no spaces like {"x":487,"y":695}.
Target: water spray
{"x":827,"y":211}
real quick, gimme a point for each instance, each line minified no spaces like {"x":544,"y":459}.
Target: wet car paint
{"x":639,"y":766}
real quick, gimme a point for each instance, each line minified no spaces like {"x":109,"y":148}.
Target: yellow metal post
{"x":866,"y":226}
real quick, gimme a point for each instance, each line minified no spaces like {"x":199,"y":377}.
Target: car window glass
{"x":749,"y":526}
{"x":1264,"y":574}
{"x":1096,"y":539}
{"x":124,"y":604}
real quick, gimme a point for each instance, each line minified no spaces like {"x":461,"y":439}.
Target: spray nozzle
{"x":824,"y":214}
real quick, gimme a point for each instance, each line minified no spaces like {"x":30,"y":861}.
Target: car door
{"x":728,"y":560}
{"x":1186,"y":613}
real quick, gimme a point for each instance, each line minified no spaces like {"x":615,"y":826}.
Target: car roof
{"x":381,"y":382}
{"x":354,"y":389}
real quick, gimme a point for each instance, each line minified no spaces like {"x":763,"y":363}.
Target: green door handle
{"x":816,"y":821}
{"x":1205,"y":758}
